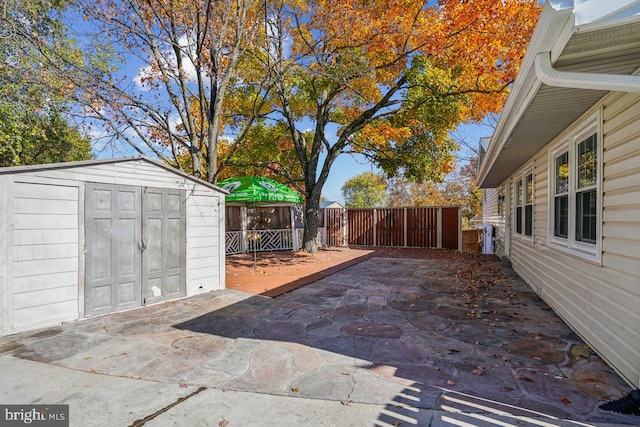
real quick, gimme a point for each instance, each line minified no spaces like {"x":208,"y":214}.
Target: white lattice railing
{"x":233,"y":242}
{"x":270,"y":240}
{"x":264,"y":240}
{"x":319,"y":239}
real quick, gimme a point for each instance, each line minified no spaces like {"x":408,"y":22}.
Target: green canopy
{"x":248,"y":189}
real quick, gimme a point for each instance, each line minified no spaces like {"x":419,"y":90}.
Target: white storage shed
{"x":87,"y":238}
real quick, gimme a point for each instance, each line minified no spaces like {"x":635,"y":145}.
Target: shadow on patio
{"x":461,"y":335}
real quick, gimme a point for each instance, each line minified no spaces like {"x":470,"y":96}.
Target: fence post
{"x":375,"y":224}
{"x":345,"y":229}
{"x":404,"y":220}
{"x":439,"y":228}
{"x":459,"y":229}
{"x":325,"y":235}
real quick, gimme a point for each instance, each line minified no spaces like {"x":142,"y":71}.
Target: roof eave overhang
{"x":554,"y":31}
{"x":552,"y":26}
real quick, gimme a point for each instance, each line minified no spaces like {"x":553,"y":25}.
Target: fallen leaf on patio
{"x":183,"y":385}
{"x":506,"y":389}
{"x":346,"y":402}
{"x":537,"y":337}
{"x":452,"y":350}
{"x":345,"y":373}
{"x":223,"y":423}
{"x":449,"y":382}
{"x":93,"y":371}
{"x":565,"y":400}
{"x":295,"y":389}
{"x":478,"y":371}
{"x":412,"y":306}
{"x":106,"y":329}
{"x":396,"y":423}
{"x":506,"y":358}
{"x":87,"y":358}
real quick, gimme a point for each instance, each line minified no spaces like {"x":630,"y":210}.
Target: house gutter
{"x":594,"y":81}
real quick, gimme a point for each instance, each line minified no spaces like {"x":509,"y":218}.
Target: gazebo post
{"x":245,"y":236}
{"x":294,"y":232}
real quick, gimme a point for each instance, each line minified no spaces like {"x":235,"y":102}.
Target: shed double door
{"x":135,"y":246}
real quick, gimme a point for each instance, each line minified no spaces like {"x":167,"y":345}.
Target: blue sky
{"x":346,"y":166}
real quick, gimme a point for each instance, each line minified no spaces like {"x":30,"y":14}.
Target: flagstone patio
{"x":462,"y":335}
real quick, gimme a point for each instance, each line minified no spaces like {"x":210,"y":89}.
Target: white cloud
{"x":187,"y":45}
{"x":143,"y":73}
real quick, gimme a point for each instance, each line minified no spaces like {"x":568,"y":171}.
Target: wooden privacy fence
{"x":425,"y":227}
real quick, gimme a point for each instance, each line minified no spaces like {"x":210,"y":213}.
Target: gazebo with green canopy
{"x":261,"y":215}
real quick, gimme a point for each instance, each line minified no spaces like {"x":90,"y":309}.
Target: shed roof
{"x":85,"y":163}
{"x":330,"y":205}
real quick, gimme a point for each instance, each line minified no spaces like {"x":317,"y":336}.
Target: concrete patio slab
{"x":384,"y":342}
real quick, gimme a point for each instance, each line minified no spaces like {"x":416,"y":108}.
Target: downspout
{"x":594,"y":81}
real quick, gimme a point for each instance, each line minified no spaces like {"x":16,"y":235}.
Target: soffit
{"x":553,"y":109}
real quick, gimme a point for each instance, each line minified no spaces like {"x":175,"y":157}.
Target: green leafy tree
{"x":367,"y":190}
{"x":31,"y":32}
{"x":27,"y":139}
{"x":389,"y":80}
{"x":457,"y":189}
{"x":33,"y":96}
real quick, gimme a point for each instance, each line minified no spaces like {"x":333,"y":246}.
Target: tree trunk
{"x":312,"y":208}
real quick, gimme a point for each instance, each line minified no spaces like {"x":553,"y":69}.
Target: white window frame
{"x":520,"y":182}
{"x":588,"y":251}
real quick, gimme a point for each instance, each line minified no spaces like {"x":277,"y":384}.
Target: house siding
{"x":599,"y":300}
{"x":490,"y":216}
{"x":42,"y":237}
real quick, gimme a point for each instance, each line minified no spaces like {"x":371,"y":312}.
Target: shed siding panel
{"x":205,"y":260}
{"x":38,"y":237}
{"x":30,"y":318}
{"x":135,"y":173}
{"x":6,"y":239}
{"x":44,"y":297}
{"x":44,"y":257}
{"x":41,"y":229}
{"x":599,"y":301}
{"x":44,"y":281}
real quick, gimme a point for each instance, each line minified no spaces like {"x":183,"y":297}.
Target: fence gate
{"x":334,"y":222}
{"x":423,"y":227}
{"x":451,"y":233}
